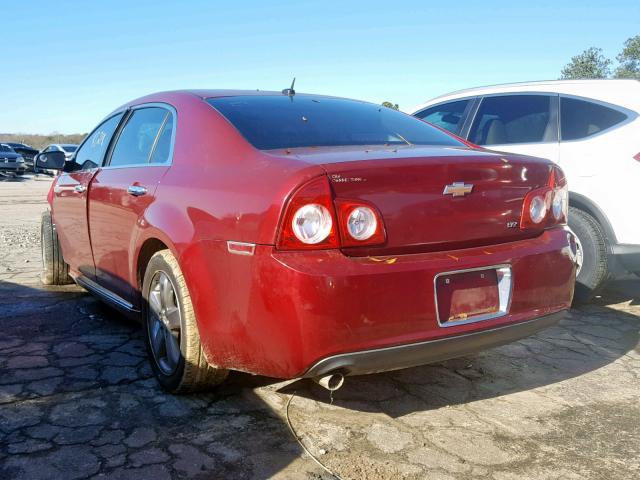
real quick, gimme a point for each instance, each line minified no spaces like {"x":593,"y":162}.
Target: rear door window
{"x":512,"y":119}
{"x":581,"y":118}
{"x":162,"y":151}
{"x":138,"y":137}
{"x":449,"y":116}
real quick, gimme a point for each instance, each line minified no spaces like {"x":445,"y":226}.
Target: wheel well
{"x":149,"y":248}
{"x":583,"y":203}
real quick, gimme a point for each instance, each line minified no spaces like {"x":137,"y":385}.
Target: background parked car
{"x":67,"y":148}
{"x":11,"y":161}
{"x":592,"y":129}
{"x":27,"y":152}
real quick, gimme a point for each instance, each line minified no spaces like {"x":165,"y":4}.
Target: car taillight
{"x":360,"y":224}
{"x":560,"y":203}
{"x":637,"y":156}
{"x":310,"y":221}
{"x":547,"y":206}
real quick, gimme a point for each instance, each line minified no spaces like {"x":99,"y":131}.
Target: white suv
{"x":591,"y":128}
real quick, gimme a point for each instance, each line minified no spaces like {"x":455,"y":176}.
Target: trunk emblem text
{"x":457,"y":189}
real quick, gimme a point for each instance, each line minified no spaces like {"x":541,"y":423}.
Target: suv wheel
{"x":54,"y":270}
{"x":593,"y":271}
{"x":172,"y":338}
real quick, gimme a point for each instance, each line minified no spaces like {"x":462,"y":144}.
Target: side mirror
{"x":50,"y":160}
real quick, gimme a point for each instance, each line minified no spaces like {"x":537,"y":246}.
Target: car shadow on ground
{"x":77,"y":394}
{"x":10,"y":177}
{"x":619,"y":291}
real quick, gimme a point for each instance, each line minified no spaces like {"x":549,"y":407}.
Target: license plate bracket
{"x":473,"y":295}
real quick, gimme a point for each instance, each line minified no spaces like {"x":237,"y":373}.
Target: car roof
{"x":16,"y":144}
{"x":212,"y":93}
{"x":625,"y":93}
{"x":203,"y":94}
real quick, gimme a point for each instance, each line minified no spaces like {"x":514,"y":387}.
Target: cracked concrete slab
{"x":77,"y":398}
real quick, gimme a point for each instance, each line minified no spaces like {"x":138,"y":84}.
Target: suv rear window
{"x":280,"y":121}
{"x":581,"y":119}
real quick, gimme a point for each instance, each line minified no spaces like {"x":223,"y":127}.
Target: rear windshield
{"x":69,"y":148}
{"x":280,"y":121}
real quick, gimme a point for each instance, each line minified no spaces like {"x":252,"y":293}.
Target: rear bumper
{"x":8,"y":167}
{"x":283,"y":314}
{"x":415,"y":354}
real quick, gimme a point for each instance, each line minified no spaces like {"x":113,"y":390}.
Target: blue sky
{"x":69,"y":63}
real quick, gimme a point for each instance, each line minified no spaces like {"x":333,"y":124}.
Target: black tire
{"x":193,"y":372}
{"x":54,"y":269}
{"x":594,"y":272}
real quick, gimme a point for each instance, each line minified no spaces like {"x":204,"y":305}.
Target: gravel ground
{"x":77,"y":399}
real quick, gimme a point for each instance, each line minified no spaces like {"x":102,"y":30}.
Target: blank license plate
{"x":463,"y":296}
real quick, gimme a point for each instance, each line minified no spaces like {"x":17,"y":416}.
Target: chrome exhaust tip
{"x":331,"y":382}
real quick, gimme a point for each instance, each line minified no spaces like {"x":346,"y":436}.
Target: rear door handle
{"x":136,"y":190}
{"x":80,"y":189}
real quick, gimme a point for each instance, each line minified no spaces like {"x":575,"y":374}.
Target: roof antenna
{"x":290,"y":91}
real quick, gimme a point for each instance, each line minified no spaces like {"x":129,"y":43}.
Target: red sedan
{"x":296,"y":235}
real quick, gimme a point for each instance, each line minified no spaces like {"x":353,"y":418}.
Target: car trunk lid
{"x":435,"y":198}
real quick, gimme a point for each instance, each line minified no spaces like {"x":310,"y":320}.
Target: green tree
{"x":629,"y":59}
{"x":390,"y":105}
{"x":589,"y":64}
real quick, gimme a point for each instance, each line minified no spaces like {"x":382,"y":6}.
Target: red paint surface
{"x":277,"y":312}
{"x":70,"y":217}
{"x":114,"y":218}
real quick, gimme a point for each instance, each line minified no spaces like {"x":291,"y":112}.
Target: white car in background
{"x":591,"y":128}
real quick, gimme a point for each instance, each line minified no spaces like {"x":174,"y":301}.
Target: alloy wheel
{"x":579,"y":256}
{"x":164,"y":323}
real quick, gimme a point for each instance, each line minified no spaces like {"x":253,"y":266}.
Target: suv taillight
{"x":547,"y":206}
{"x":310,"y":221}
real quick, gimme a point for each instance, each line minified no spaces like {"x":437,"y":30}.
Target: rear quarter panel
{"x":218,"y":188}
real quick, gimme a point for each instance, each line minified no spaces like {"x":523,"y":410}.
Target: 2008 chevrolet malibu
{"x":295,"y":235}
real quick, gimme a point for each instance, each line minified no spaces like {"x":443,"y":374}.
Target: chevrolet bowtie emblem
{"x":457,"y":189}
